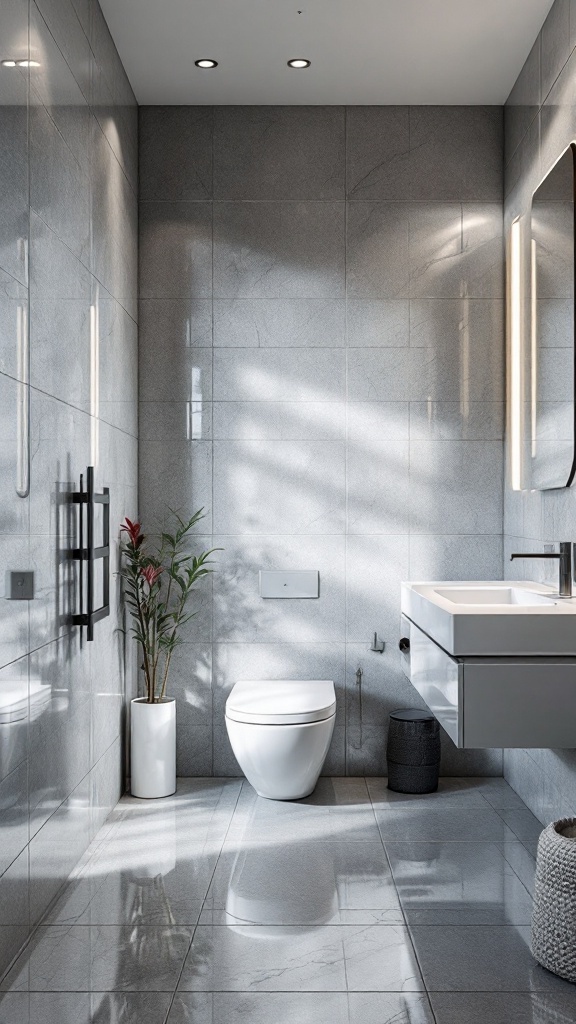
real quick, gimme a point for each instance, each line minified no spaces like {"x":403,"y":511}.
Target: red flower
{"x":151,"y":574}
{"x":133,"y":531}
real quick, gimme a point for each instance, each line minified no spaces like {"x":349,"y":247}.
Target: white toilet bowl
{"x":280,"y":731}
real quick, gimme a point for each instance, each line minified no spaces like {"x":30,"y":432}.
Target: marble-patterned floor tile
{"x":436,"y":824}
{"x":504,"y":1007}
{"x":84,"y":1007}
{"x":84,"y":959}
{"x":458,"y":884}
{"x":136,"y":883}
{"x":523,"y":862}
{"x":200,"y":809}
{"x":303,"y":1007}
{"x":480,"y":959}
{"x":450,"y":793}
{"x":497,"y":792}
{"x":302,"y":884}
{"x":523,"y":823}
{"x":338,"y":809}
{"x":287,"y":958}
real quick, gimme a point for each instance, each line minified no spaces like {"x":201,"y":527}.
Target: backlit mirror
{"x":551,"y":413}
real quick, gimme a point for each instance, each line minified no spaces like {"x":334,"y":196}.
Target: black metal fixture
{"x":88,"y":554}
{"x":299,"y":62}
{"x":206,"y":62}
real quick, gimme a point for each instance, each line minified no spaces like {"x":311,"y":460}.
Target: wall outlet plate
{"x":19,"y":586}
{"x":289,"y":583}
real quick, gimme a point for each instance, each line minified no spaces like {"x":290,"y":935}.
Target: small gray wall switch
{"x":19,"y":586}
{"x":289,"y":583}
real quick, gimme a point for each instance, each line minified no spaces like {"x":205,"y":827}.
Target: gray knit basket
{"x":554,"y":913}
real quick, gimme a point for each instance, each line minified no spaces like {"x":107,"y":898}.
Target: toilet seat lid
{"x":281,"y":701}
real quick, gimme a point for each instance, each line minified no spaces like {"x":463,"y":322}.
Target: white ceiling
{"x":362,"y":51}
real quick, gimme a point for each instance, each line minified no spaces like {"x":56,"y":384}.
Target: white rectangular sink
{"x":493,"y":618}
{"x":493,"y":596}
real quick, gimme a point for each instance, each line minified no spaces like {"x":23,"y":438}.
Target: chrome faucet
{"x":564,"y":556}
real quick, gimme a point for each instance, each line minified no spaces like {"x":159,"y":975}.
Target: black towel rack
{"x":87,"y":554}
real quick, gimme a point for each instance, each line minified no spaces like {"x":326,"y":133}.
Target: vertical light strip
{"x":533,"y":347}
{"x":23,"y":404}
{"x":515,"y":394}
{"x":464,"y":329}
{"x":94,"y":385}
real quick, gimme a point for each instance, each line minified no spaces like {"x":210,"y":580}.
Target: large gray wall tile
{"x":279,"y":152}
{"x":523,"y":102}
{"x":378,"y":323}
{"x":240,"y":614}
{"x":443,"y":164}
{"x":543,"y":778}
{"x":555,"y":44}
{"x":377,"y":250}
{"x":281,"y":487}
{"x":375,"y":568}
{"x":279,"y":250}
{"x":377,"y":152}
{"x":175,"y":152}
{"x":456,"y":251}
{"x":175,"y":250}
{"x":456,"y":487}
{"x":276,"y":375}
{"x":279,"y":421}
{"x":68,"y":259}
{"x":340,"y":337}
{"x":275,"y":323}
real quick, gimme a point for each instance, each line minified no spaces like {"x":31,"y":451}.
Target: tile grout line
{"x":400,"y":904}
{"x":202,"y":907}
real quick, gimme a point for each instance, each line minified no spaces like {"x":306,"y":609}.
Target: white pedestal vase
{"x":554,"y":914}
{"x":153,"y":748}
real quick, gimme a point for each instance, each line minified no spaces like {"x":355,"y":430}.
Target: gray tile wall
{"x":68,"y":218}
{"x":321,"y":368}
{"x":540,"y":122}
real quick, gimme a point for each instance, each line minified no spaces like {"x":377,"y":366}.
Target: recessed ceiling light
{"x":299,"y":62}
{"x":206,"y":62}
{"x":8,"y":63}
{"x":28,"y":64}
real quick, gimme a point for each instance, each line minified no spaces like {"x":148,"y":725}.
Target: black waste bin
{"x":413,"y":751}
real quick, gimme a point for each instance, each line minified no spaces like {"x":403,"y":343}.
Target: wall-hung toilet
{"x":280,"y":731}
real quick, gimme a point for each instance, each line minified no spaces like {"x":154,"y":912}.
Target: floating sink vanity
{"x":495,"y":662}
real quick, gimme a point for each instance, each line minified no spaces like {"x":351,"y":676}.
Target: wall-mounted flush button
{"x":289,"y":583}
{"x":19,"y":586}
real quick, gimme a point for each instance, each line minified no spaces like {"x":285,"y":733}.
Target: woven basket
{"x":554,"y":913}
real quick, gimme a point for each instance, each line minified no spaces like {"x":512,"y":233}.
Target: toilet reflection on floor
{"x":259,"y":896}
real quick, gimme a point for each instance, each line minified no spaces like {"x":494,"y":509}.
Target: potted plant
{"x":158,"y":582}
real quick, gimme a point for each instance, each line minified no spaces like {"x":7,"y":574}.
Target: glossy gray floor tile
{"x":523,"y":823}
{"x":451,"y":793}
{"x":84,"y":959}
{"x":438,"y":824}
{"x":354,"y":906}
{"x":481,"y":959}
{"x":84,"y":1007}
{"x":339,"y":809}
{"x":335,"y":958}
{"x":302,"y":884}
{"x":458,"y":884}
{"x":301,"y":1007}
{"x":136,"y":883}
{"x":201,"y":809}
{"x":504,"y":1007}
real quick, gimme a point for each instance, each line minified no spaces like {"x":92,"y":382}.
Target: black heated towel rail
{"x":88,"y":554}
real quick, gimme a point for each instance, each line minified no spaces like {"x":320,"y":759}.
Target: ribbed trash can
{"x":413,"y":751}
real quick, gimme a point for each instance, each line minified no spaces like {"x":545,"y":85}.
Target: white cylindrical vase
{"x":153,"y":748}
